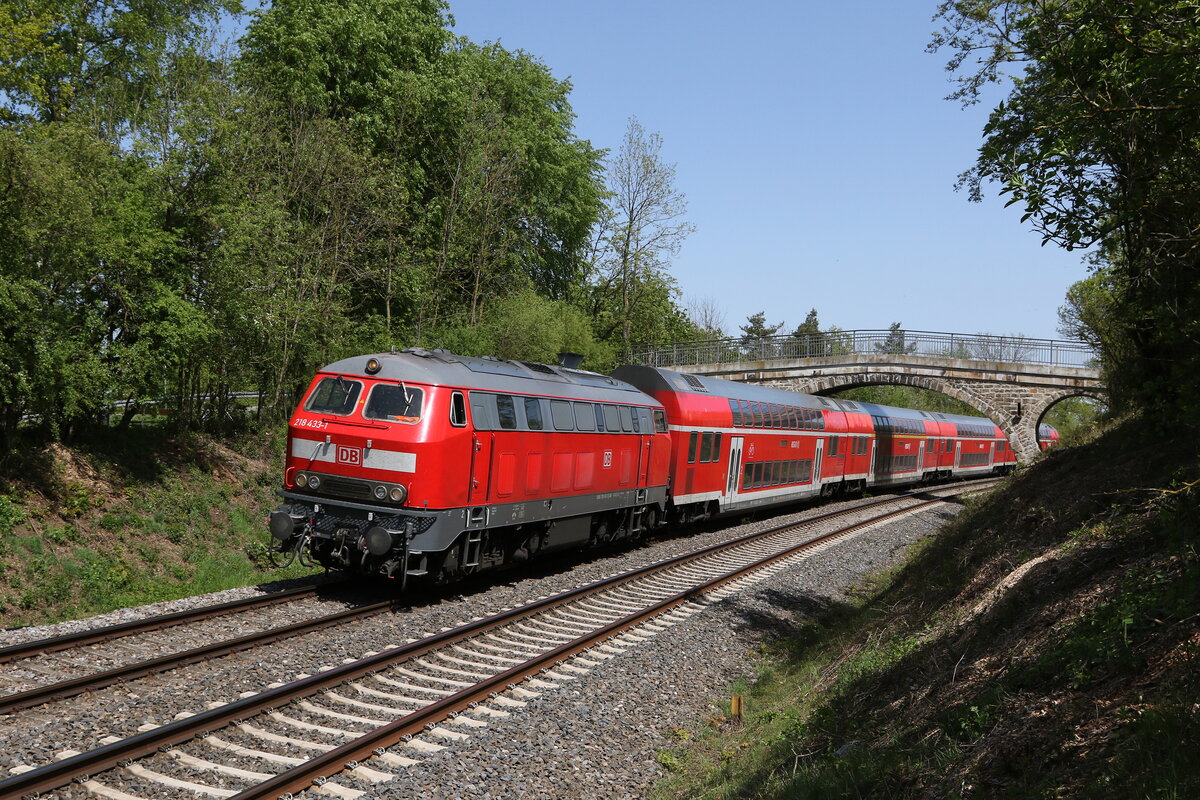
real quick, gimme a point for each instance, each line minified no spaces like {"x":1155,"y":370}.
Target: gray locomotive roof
{"x":443,"y":368}
{"x":655,"y":378}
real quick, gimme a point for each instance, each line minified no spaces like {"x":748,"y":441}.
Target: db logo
{"x":349,"y":455}
{"x":607,"y":459}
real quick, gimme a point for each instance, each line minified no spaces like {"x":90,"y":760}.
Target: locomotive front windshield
{"x":394,"y":403}
{"x":334,"y":396}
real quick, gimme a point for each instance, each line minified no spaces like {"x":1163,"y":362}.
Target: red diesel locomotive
{"x":424,"y":463}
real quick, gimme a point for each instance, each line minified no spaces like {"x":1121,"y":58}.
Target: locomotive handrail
{"x":928,"y":344}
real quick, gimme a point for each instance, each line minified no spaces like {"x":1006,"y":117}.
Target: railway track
{"x":63,"y":689}
{"x":424,"y":694}
{"x":108,"y":633}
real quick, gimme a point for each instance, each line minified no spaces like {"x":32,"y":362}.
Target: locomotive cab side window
{"x":334,"y":396}
{"x":506,"y":411}
{"x":394,"y":403}
{"x":660,"y":421}
{"x":533,"y":414}
{"x":458,"y":410}
{"x":585,"y":417}
{"x":564,"y":418}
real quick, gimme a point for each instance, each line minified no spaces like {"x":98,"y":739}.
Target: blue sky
{"x":816,"y":151}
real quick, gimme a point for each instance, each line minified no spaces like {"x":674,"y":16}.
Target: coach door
{"x":816,"y":476}
{"x":871,"y":460}
{"x":957,"y":452}
{"x":735,"y":466}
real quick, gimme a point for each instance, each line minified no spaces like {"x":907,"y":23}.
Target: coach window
{"x":612,"y":419}
{"x":706,"y":448}
{"x":562,"y":416}
{"x":660,"y":421}
{"x":833,"y":446}
{"x":692,"y":447}
{"x":747,"y":414}
{"x":736,"y":410}
{"x":506,"y":411}
{"x":716,"y":453}
{"x":626,"y":418}
{"x":458,"y":410}
{"x":585,"y":417}
{"x":533,"y":414}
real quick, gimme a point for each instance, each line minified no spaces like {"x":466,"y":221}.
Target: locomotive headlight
{"x":314,"y":482}
{"x":380,"y":491}
{"x":397,"y":494}
{"x":301,"y":479}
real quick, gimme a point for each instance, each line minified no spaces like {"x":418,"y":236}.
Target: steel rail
{"x":319,"y":768}
{"x":140,"y":669}
{"x":54,"y":644}
{"x":61,"y":773}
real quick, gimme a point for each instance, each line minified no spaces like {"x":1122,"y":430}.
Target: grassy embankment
{"x":133,"y":518}
{"x":1046,"y":644}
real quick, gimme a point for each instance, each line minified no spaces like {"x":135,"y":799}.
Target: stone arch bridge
{"x":1012,"y":380}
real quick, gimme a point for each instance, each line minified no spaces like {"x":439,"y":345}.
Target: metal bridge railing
{"x":971,"y":347}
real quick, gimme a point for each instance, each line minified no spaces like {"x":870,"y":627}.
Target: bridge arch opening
{"x":1071,"y":416}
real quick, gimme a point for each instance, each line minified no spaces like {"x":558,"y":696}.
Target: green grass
{"x":182,"y":519}
{"x":1090,"y":667}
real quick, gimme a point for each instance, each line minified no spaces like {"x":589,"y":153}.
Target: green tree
{"x":56,"y":58}
{"x":756,"y":336}
{"x":642,"y":228}
{"x":808,"y":339}
{"x":757,"y":328}
{"x":895,"y":342}
{"x":1097,"y":141}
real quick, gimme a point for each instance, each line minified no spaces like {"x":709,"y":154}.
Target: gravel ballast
{"x":596,"y":736}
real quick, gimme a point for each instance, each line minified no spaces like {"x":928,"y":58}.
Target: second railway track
{"x":429,"y":689}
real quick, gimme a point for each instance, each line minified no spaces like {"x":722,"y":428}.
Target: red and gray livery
{"x":425,"y":464}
